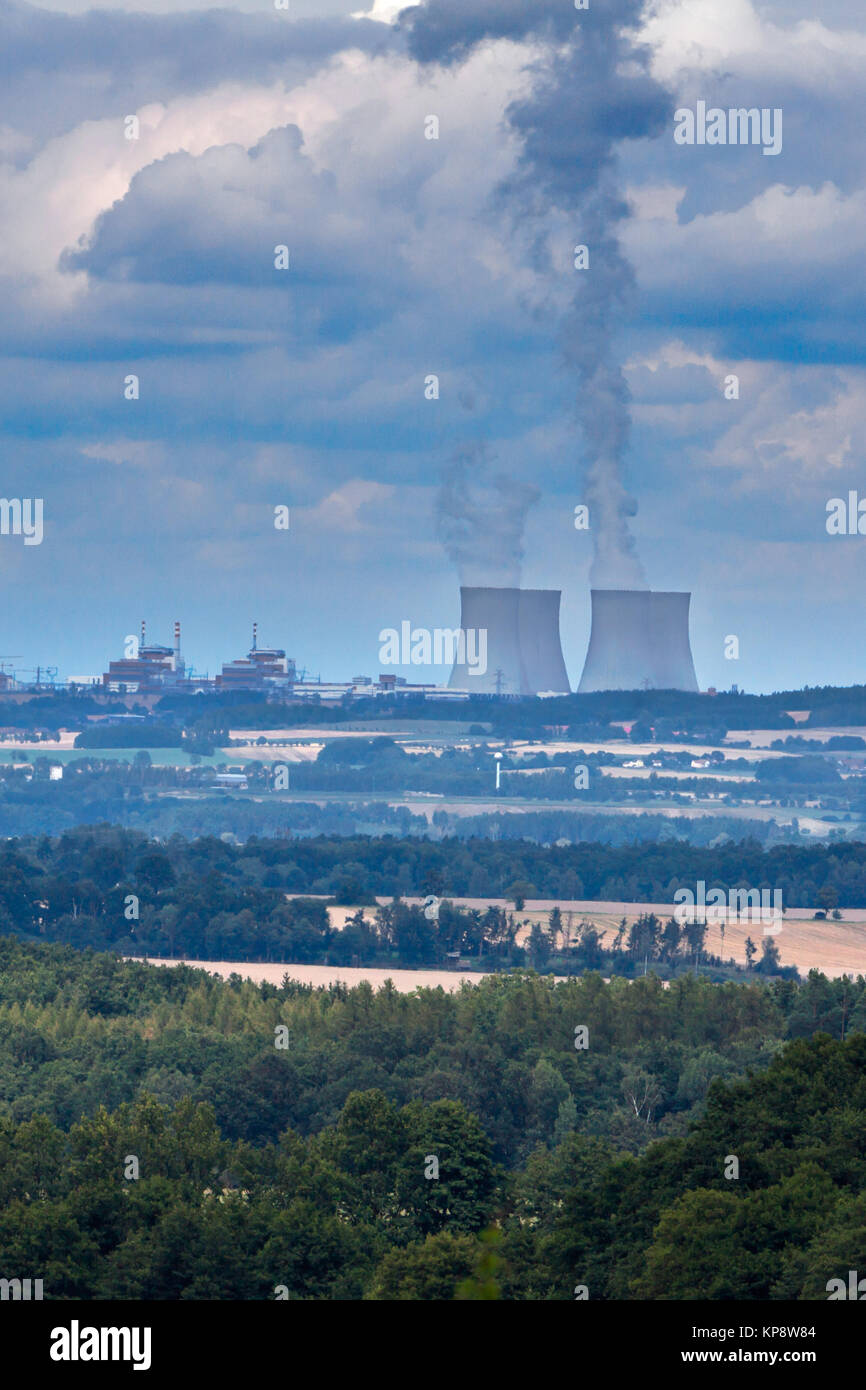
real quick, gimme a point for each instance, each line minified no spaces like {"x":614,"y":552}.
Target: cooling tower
{"x":675,"y":669}
{"x":524,"y":655}
{"x":540,"y":648}
{"x":494,"y":611}
{"x":639,"y":640}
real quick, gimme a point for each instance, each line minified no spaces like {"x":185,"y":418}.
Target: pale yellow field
{"x":404,"y":981}
{"x":835,"y":948}
{"x":63,"y":743}
{"x":762,"y":738}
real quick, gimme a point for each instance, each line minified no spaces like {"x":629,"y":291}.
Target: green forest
{"x":167,"y":1135}
{"x":111,"y":888}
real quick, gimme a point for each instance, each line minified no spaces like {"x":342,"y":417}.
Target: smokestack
{"x":177,"y":640}
{"x":524,"y":655}
{"x":255,"y":635}
{"x":143,"y":642}
{"x":639,"y":640}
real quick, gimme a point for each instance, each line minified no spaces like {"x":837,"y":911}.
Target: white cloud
{"x":350,"y":508}
{"x":778,"y":442}
{"x":755,"y":254}
{"x":53,"y":202}
{"x":140,"y":453}
{"x":718,"y":35}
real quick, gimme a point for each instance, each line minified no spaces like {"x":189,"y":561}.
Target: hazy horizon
{"x":412,"y":257}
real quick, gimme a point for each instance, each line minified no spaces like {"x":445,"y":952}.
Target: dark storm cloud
{"x":444,"y":31}
{"x":57,"y":70}
{"x":216,"y":218}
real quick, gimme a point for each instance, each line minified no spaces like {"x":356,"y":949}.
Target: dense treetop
{"x":308,"y":1168}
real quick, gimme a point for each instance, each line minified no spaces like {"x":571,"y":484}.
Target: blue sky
{"x":410,"y":257}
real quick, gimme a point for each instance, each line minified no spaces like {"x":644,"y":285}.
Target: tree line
{"x":107,"y":887}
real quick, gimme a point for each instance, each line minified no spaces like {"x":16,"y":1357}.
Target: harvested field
{"x":834,"y":948}
{"x":404,"y":980}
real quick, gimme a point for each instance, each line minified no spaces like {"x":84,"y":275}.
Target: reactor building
{"x":524,"y":654}
{"x":151,"y":668}
{"x":639,"y":640}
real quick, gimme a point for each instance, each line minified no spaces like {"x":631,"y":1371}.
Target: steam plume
{"x":591,"y":89}
{"x":480,"y":516}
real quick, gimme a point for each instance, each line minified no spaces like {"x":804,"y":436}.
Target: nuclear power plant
{"x":639,"y":640}
{"x":524,"y":655}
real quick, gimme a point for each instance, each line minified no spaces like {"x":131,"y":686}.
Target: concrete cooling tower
{"x":639,"y":640}
{"x":540,"y":647}
{"x":524,"y":655}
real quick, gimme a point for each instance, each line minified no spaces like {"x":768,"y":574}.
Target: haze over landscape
{"x":412,"y":256}
{"x":433,"y":693}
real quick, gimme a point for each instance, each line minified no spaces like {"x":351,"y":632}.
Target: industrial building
{"x":524,"y":653}
{"x":153,"y":669}
{"x":156,"y":670}
{"x":263,"y":668}
{"x":639,"y":640}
